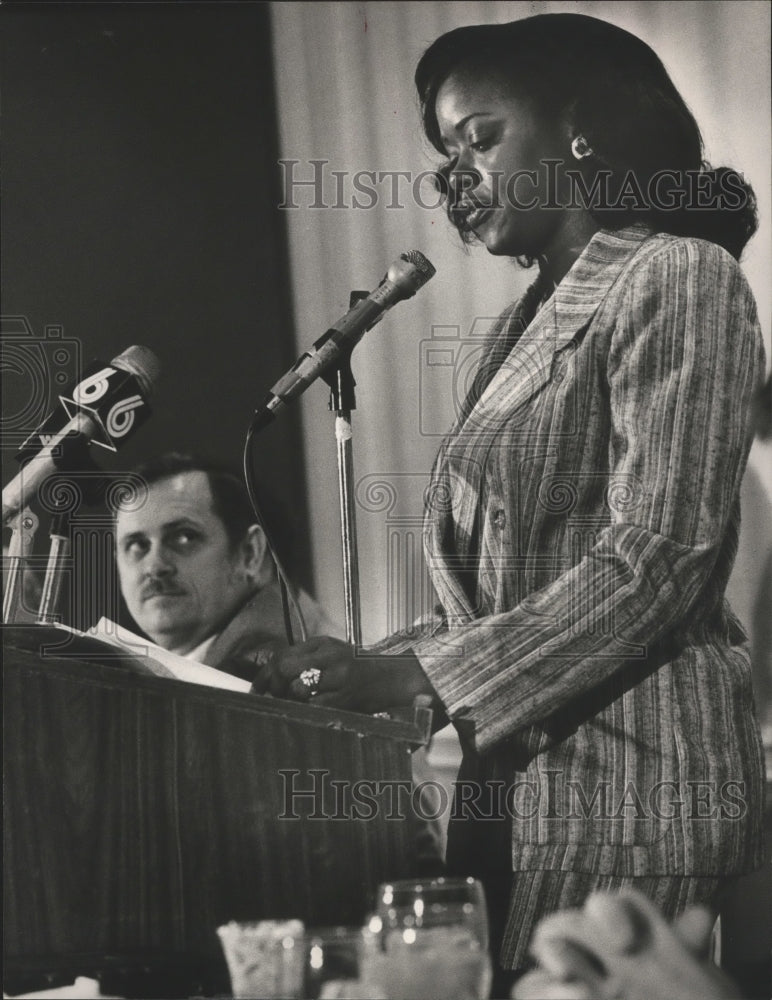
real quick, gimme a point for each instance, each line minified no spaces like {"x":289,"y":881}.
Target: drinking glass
{"x":437,"y":902}
{"x":433,"y":940}
{"x":332,"y":958}
{"x":265,"y":958}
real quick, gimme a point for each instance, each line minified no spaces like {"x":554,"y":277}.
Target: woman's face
{"x":507,"y":192}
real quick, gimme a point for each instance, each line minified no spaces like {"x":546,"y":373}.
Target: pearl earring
{"x":581,"y":148}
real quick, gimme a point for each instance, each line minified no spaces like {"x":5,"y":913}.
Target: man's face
{"x":179,"y":577}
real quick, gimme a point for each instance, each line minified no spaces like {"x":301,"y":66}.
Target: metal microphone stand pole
{"x":52,"y":582}
{"x":23,"y":527}
{"x":342,"y":401}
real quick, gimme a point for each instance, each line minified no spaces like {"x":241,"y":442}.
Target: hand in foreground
{"x":620,"y":946}
{"x":338,"y":676}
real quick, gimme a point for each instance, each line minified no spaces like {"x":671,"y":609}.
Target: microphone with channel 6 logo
{"x":105,"y":407}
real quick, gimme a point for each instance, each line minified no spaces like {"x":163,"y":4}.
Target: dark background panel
{"x":139,"y":192}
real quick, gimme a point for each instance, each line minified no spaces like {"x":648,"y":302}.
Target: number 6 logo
{"x":94,"y":387}
{"x":120,"y":419}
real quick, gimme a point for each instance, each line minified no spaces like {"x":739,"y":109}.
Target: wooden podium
{"x":141,"y":813}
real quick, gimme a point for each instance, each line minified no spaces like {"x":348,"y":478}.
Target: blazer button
{"x":500,"y":519}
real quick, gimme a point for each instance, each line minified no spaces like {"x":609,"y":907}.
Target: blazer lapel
{"x":566,"y":313}
{"x":454,"y":498}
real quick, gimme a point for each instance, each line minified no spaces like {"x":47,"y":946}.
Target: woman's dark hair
{"x":613,"y":90}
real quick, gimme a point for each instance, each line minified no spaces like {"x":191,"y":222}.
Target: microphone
{"x":409,"y":272}
{"x":106,"y":406}
{"x":114,"y":396}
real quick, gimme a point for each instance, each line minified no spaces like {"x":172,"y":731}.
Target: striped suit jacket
{"x":581,"y":526}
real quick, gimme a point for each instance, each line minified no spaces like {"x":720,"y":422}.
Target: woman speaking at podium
{"x":583,"y":512}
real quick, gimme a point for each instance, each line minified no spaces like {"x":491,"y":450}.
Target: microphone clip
{"x":339,"y":376}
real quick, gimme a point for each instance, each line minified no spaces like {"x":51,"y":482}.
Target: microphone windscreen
{"x":142,"y":363}
{"x":424,"y":266}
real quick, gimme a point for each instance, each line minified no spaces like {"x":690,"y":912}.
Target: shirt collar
{"x":199,"y":653}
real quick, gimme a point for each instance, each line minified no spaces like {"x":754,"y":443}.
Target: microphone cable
{"x":289,"y":601}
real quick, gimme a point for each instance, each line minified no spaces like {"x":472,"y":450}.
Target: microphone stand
{"x":52,"y":582}
{"x":342,"y":401}
{"x":23,"y":527}
{"x":341,"y":381}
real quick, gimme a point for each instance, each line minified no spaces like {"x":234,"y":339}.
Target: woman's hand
{"x":620,"y":946}
{"x":346,"y":678}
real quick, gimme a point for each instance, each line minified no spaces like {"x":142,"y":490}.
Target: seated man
{"x":195,"y":570}
{"x":198,"y":579}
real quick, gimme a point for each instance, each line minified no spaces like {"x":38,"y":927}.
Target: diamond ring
{"x":311,"y":678}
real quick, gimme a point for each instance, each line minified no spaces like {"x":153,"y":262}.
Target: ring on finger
{"x":310,"y":678}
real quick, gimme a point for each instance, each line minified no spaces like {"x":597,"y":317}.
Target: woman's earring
{"x":581,"y":148}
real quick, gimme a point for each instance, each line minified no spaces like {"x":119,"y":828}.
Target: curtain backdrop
{"x":139,"y":154}
{"x":345,"y":97}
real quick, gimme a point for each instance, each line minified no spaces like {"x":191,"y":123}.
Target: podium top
{"x":48,"y":649}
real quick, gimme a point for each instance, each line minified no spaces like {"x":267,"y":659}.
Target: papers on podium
{"x":163,"y":663}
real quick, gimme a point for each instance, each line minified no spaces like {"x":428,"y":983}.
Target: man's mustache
{"x":154,"y":588}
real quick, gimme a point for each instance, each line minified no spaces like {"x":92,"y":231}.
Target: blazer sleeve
{"x":684,"y":362}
